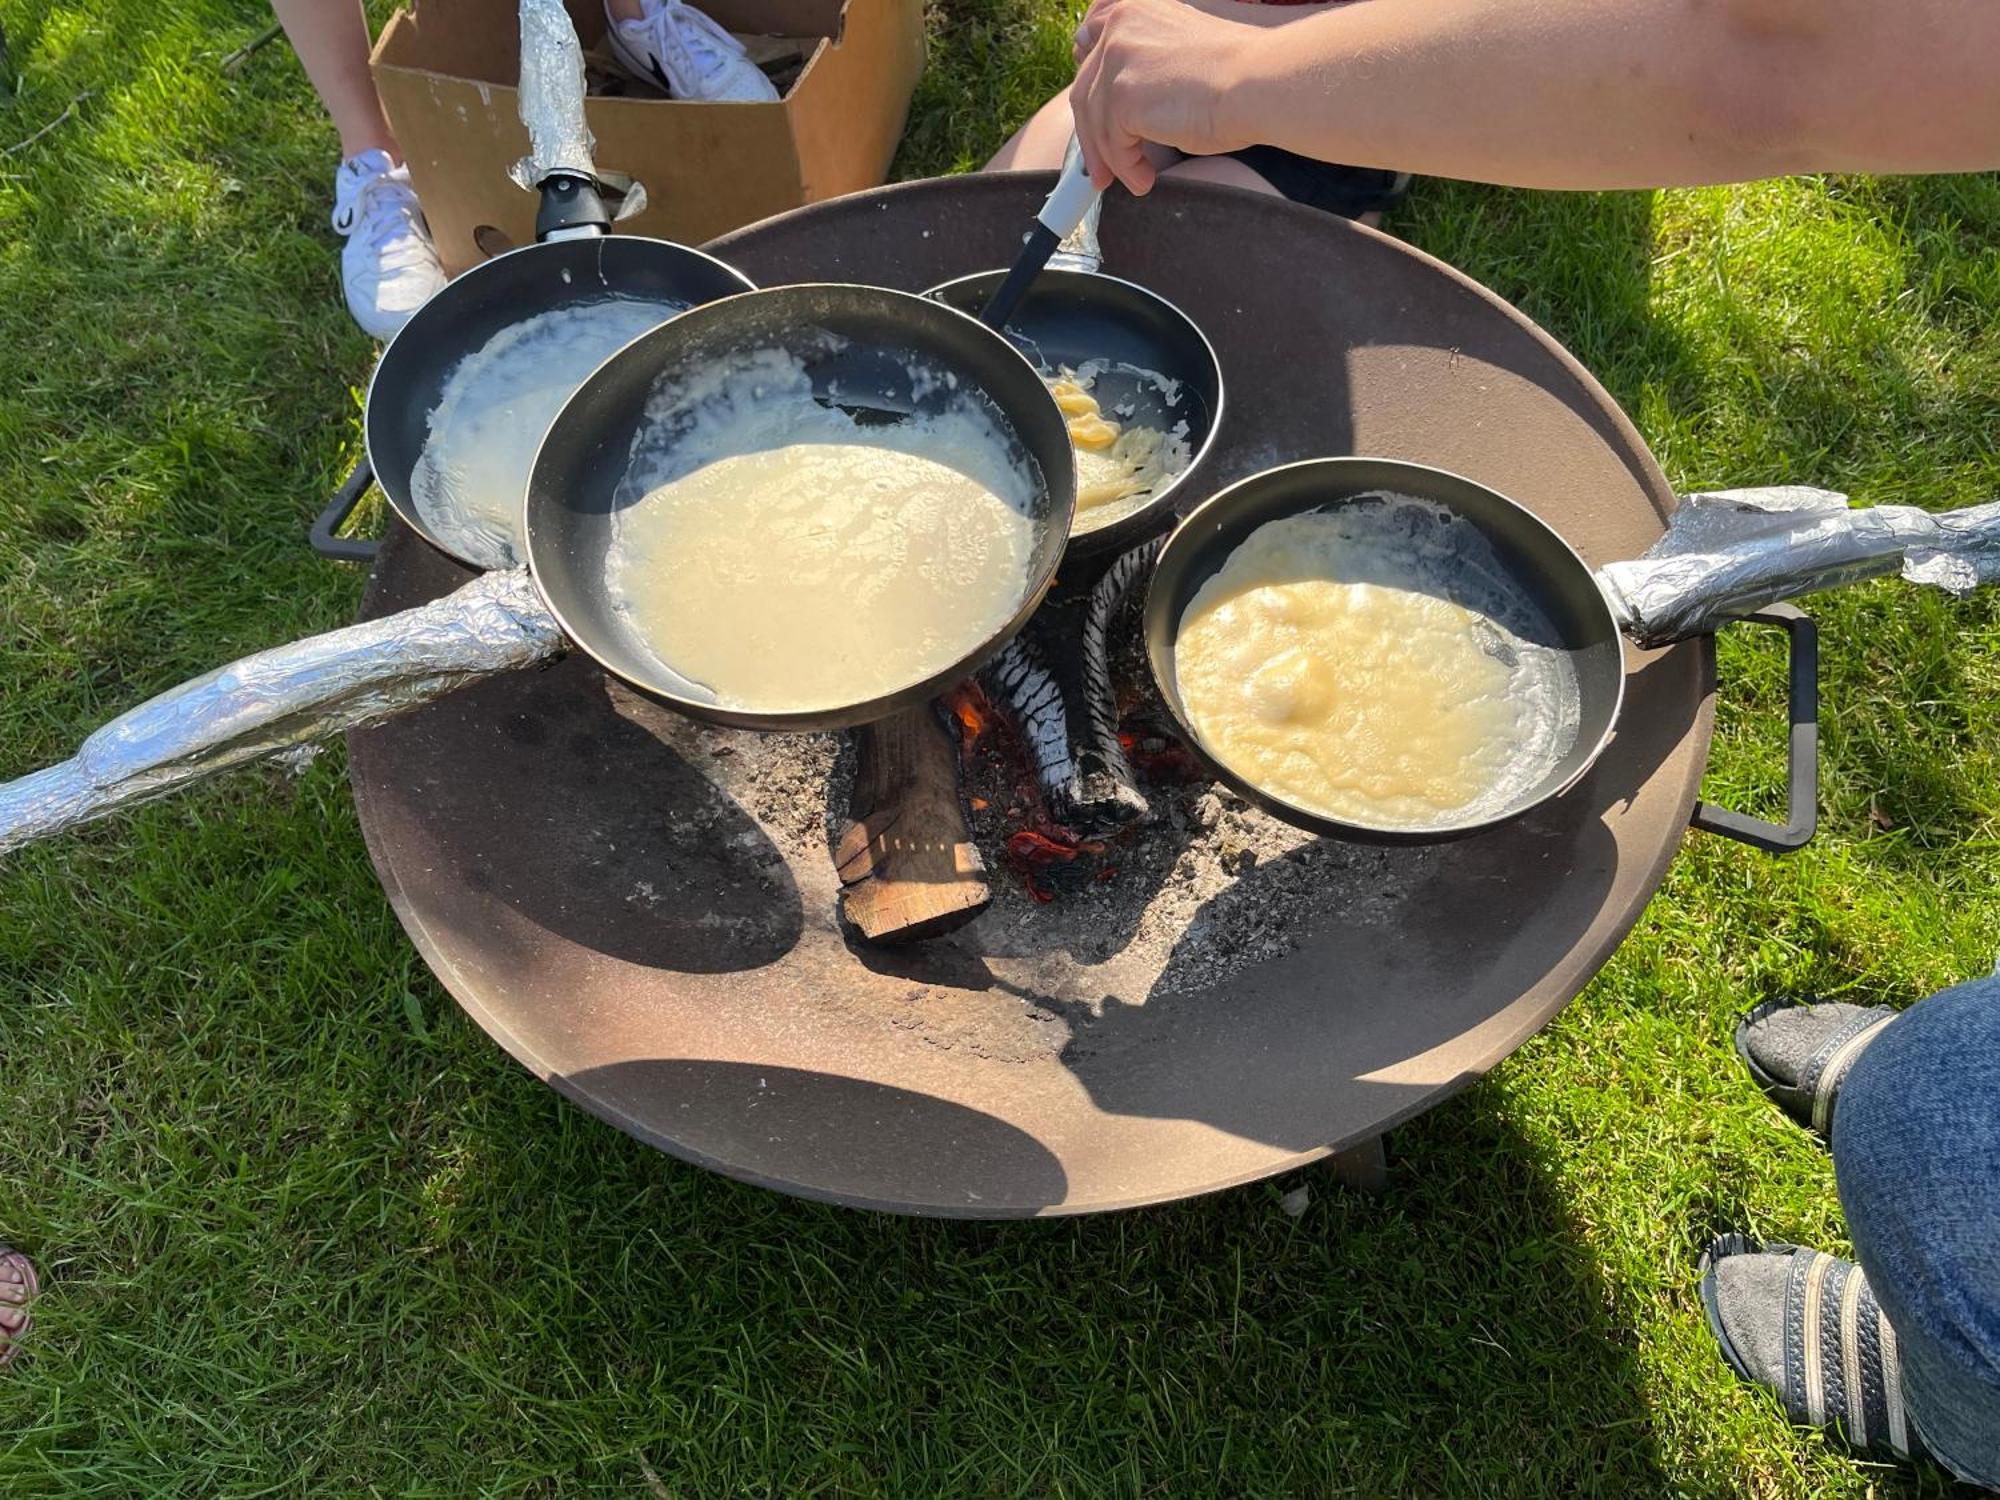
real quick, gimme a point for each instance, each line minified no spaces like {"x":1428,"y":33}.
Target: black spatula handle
{"x":1061,"y":213}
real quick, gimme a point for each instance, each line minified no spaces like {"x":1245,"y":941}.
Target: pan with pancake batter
{"x":538,"y":319}
{"x":1379,"y":650}
{"x":861,"y":379}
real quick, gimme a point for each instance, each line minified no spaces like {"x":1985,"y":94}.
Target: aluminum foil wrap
{"x":1079,"y":250}
{"x":280,"y":700}
{"x":559,"y":138}
{"x":1728,"y":553}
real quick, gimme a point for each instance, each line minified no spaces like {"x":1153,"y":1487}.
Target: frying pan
{"x":858,"y":345}
{"x":1581,"y":620}
{"x":409,"y":381}
{"x":575,"y":260}
{"x":879,"y":354}
{"x":1074,"y":314}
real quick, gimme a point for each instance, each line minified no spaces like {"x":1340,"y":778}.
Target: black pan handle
{"x":345,"y":549}
{"x":571,"y":208}
{"x":1802,"y":772}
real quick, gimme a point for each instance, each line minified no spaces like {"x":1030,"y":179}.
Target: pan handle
{"x":285,"y":699}
{"x":340,"y":548}
{"x":571,"y":209}
{"x":1802,"y":770}
{"x":1062,"y":212}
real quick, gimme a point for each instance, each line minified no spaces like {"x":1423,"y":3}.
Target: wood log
{"x":908,"y":867}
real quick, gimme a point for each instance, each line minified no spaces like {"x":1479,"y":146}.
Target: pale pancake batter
{"x":471,"y":481}
{"x":1117,"y":468}
{"x":787,"y":559}
{"x":1344,"y":664}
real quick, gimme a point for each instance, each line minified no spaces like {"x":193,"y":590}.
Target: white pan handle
{"x":284,"y":698}
{"x":1079,"y":250}
{"x":1072,"y":197}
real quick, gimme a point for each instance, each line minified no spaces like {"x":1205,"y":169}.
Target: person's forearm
{"x":1628,"y":93}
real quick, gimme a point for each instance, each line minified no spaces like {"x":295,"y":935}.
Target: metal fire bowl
{"x":559,"y":853}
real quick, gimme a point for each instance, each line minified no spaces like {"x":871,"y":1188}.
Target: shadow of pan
{"x":555,"y":803}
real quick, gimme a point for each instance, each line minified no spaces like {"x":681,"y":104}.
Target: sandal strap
{"x":10,"y":1344}
{"x":1829,"y":1067}
{"x":1900,"y":1434}
{"x":1841,"y":1364}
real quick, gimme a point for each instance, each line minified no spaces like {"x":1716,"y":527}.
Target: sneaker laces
{"x":372,"y":197}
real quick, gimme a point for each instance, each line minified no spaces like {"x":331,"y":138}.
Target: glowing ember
{"x":1031,"y":852}
{"x":1161,"y":759}
{"x":968,"y":707}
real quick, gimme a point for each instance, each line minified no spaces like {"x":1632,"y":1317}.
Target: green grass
{"x":306,"y":1229}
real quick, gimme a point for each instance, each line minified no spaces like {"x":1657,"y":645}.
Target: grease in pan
{"x":1120,"y":463}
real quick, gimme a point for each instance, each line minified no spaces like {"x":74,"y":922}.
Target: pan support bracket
{"x":1363,"y":1167}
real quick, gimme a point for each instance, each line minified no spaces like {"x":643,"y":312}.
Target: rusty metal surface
{"x":559,"y":852}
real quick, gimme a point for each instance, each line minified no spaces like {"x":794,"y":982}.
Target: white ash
{"x":781,"y":780}
{"x":1212,"y":886}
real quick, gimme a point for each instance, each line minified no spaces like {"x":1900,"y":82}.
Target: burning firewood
{"x":908,"y":866}
{"x":1100,"y":696}
{"x":1053,"y":682}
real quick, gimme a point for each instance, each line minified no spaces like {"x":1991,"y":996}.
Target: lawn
{"x":306,"y":1229}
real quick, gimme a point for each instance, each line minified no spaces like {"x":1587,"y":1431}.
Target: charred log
{"x":1053,"y":683}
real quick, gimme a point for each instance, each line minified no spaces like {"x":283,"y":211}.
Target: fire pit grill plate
{"x":561,"y":854}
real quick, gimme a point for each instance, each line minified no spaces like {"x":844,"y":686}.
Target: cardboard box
{"x":446,"y":71}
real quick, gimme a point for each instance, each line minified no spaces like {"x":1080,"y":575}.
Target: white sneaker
{"x":389,"y":265}
{"x":688,"y":54}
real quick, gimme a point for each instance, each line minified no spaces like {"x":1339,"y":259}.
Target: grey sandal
{"x":17,"y":1275}
{"x":1807,"y":1325}
{"x":1801,"y":1065}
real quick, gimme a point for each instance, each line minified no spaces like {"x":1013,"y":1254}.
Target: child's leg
{"x":1226,"y":170}
{"x":1037,"y":146}
{"x":331,"y":39}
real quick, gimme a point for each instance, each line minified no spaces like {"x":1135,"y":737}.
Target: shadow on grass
{"x":1452,"y":1335}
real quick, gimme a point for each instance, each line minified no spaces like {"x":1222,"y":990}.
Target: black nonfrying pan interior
{"x":1544,"y":566}
{"x":409,"y":381}
{"x":859,"y":345}
{"x":1072,"y":318}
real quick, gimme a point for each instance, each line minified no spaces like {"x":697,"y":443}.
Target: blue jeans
{"x":1916,"y":1152}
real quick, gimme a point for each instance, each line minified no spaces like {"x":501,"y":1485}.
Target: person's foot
{"x":688,"y":54}
{"x":1806,"y":1324}
{"x":1800,"y":1054}
{"x":18,"y":1288}
{"x":389,"y":265}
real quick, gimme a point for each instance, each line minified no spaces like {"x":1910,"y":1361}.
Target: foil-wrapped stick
{"x":284,"y":698}
{"x":1727,"y":553}
{"x":551,"y":101}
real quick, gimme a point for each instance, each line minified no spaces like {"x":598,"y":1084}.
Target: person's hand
{"x":1158,"y":71}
